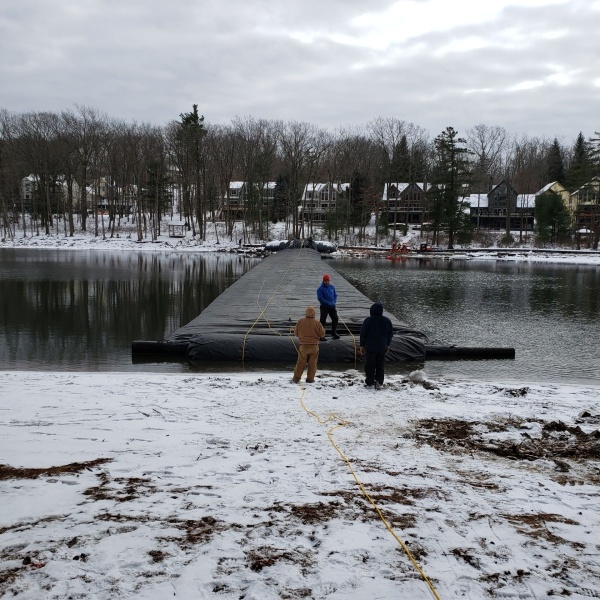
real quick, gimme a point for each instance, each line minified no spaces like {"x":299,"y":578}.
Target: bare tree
{"x":317,"y":172}
{"x":355,"y":163}
{"x":524,"y":170}
{"x":257,"y":146}
{"x":403,"y":149}
{"x":221,"y":154}
{"x":489,"y":145}
{"x":9,"y":180}
{"x":86,"y":129}
{"x":35,"y":141}
{"x":297,"y":144}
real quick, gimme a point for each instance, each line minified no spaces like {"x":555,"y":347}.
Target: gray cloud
{"x":531,"y":69}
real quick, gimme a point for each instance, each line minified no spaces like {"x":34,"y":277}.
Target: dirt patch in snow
{"x":8,"y":472}
{"x":568,"y":448}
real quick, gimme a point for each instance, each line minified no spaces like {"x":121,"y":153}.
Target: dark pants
{"x":331,"y":312}
{"x":374,"y":362}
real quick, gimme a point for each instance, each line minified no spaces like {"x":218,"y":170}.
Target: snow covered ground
{"x":249,"y":486}
{"x":148,"y":486}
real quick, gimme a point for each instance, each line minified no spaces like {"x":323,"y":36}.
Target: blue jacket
{"x":326,"y":295}
{"x":376,"y":331}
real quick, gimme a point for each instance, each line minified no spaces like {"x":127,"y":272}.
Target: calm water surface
{"x":80,"y":310}
{"x":548,"y":313}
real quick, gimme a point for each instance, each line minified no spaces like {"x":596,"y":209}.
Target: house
{"x":586,"y":205}
{"x":490,"y":210}
{"x":405,"y":203}
{"x":562,"y":191}
{"x":104,"y":194}
{"x":319,"y":200}
{"x":240,"y":197}
{"x":29,"y":186}
{"x":100,"y":194}
{"x":32,"y":191}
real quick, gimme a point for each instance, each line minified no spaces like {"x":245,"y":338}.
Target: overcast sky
{"x":531,"y":66}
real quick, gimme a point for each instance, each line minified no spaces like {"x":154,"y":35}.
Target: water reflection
{"x":81,"y":310}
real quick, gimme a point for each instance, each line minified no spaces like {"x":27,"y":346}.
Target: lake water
{"x":547,"y":312}
{"x":80,"y":310}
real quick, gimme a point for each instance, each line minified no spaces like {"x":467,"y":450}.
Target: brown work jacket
{"x":309,"y":330}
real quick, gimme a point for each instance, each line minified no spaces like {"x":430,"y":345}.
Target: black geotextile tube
{"x":253,"y":320}
{"x":230,"y":347}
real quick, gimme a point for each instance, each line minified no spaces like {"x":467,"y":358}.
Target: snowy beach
{"x":221,"y":243}
{"x":245,"y":485}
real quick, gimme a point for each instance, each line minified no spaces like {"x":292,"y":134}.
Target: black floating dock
{"x":253,"y":320}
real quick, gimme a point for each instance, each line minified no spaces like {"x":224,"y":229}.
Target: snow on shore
{"x":152,"y":486}
{"x":221,"y":242}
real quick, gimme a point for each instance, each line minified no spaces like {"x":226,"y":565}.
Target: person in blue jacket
{"x":375,"y":339}
{"x":327,"y":297}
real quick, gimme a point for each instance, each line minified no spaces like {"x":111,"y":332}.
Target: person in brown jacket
{"x":309,"y":331}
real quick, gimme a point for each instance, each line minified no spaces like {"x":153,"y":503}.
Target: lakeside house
{"x":402,"y":203}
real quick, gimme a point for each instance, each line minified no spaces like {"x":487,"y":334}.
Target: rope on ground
{"x":343,"y":423}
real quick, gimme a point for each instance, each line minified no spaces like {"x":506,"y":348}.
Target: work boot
{"x":334,"y":336}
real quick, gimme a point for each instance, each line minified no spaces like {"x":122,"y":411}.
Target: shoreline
{"x":165,"y":244}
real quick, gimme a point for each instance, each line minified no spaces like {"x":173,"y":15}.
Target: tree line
{"x":146,"y":167}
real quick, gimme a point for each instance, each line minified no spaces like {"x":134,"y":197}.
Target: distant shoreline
{"x":188,"y":244}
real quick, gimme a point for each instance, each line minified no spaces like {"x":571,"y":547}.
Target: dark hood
{"x":377,"y":309}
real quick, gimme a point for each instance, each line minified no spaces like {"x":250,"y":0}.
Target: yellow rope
{"x":263,"y":310}
{"x":347,"y":329}
{"x":342,"y":423}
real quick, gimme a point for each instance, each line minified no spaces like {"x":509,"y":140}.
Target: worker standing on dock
{"x":327,"y":297}
{"x":309,"y":331}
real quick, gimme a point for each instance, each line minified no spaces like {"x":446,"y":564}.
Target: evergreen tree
{"x":332,"y":225}
{"x":451,"y":179}
{"x":359,"y":212}
{"x":157,"y":193}
{"x":189,"y":156}
{"x":419,"y":162}
{"x":400,"y":164}
{"x":555,"y":164}
{"x":594,"y":154}
{"x":579,"y":171}
{"x":280,"y":199}
{"x":552,"y":217}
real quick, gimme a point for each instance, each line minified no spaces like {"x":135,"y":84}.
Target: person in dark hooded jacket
{"x":375,"y":339}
